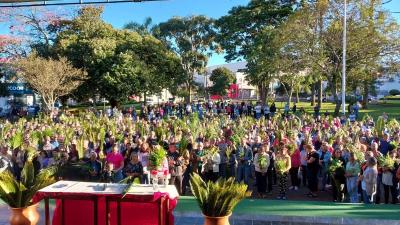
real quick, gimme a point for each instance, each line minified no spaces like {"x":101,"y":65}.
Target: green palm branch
{"x":19,"y":194}
{"x":217,"y":199}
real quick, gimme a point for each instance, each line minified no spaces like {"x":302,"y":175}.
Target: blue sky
{"x":121,"y":13}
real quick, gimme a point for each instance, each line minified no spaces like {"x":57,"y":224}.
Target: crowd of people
{"x":256,"y":144}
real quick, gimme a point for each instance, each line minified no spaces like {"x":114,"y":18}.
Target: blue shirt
{"x":384,"y":147}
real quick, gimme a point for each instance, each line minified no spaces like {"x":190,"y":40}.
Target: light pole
{"x":344,"y":59}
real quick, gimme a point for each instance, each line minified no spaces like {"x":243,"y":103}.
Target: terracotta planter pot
{"x":24,"y":216}
{"x":224,"y":220}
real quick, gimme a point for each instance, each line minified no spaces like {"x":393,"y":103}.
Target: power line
{"x":32,"y":3}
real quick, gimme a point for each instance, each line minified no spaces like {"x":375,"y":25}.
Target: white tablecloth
{"x":97,"y":188}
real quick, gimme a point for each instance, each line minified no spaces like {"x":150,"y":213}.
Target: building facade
{"x":246,"y":90}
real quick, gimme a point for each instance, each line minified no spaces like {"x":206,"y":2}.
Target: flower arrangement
{"x":157,"y":156}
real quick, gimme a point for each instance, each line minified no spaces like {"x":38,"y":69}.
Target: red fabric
{"x":233,"y":91}
{"x":116,"y":159}
{"x":142,"y":210}
{"x":215,"y":97}
{"x":295,"y":158}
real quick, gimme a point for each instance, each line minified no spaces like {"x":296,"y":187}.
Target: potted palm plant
{"x":217,"y":199}
{"x":18,"y":194}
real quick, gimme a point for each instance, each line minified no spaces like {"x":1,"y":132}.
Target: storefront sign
{"x":18,"y":88}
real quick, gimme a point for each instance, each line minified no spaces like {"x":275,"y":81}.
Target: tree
{"x":89,"y":43}
{"x":247,"y":32}
{"x":193,"y":40}
{"x":315,"y":38}
{"x":120,"y":63}
{"x":10,"y":47}
{"x":50,"y":78}
{"x":394,"y":92}
{"x":145,"y":28}
{"x":34,"y":28}
{"x":222,"y":78}
{"x":141,"y":65}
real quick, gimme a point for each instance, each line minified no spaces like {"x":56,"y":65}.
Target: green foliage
{"x":192,"y":38}
{"x":157,"y":156}
{"x":280,"y":165}
{"x":183,"y":144}
{"x":394,"y":92}
{"x":17,"y":140}
{"x":120,"y":63}
{"x":247,"y":32}
{"x":129,"y":187}
{"x":334,"y":165}
{"x":220,"y":198}
{"x":379,"y":127}
{"x":222,"y":78}
{"x":393,"y":125}
{"x":262,"y":161}
{"x":18,"y":194}
{"x":386,"y":162}
{"x":80,"y":147}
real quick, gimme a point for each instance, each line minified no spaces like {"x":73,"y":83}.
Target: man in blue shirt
{"x":384,"y":144}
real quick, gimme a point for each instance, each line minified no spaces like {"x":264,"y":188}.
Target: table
{"x":102,"y":204}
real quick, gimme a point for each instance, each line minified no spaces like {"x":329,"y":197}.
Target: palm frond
{"x":219,"y":198}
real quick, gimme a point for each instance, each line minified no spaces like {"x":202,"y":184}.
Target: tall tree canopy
{"x":193,"y":39}
{"x":312,"y":39}
{"x":247,"y":32}
{"x":120,"y":63}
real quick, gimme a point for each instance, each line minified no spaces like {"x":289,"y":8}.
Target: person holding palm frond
{"x":283,"y":164}
{"x":261,"y":163}
{"x":244,"y":155}
{"x":352,"y":170}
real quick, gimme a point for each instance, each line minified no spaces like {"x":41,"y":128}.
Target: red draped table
{"x":84,"y":203}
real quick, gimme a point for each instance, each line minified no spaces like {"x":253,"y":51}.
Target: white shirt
{"x":216,"y":160}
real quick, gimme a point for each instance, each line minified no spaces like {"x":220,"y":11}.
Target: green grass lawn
{"x":391,"y":107}
{"x":302,"y":208}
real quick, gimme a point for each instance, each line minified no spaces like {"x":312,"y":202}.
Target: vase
{"x":155,"y":183}
{"x":24,"y":216}
{"x":223,"y":220}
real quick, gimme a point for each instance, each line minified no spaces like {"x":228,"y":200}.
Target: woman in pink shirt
{"x":294,"y":170}
{"x":115,"y":163}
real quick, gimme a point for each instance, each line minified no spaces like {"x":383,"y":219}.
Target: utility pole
{"x":344,"y":59}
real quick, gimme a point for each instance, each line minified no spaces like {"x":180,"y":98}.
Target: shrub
{"x":394,"y":92}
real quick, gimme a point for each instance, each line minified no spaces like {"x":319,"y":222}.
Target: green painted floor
{"x":303,"y":208}
{"x":296,"y":208}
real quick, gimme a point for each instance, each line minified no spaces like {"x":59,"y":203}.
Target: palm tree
{"x":145,"y":28}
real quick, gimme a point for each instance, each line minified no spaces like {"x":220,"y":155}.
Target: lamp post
{"x":344,"y":59}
